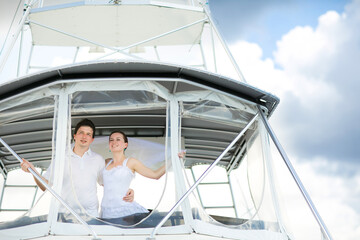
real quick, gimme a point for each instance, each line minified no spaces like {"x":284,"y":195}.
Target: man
{"x":81,"y":175}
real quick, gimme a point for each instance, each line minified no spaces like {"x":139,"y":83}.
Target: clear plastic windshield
{"x":148,"y":142}
{"x":237,"y":193}
{"x":26,"y":125}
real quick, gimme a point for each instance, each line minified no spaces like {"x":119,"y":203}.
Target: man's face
{"x":83,"y":137}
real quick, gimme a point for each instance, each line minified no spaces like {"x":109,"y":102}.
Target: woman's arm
{"x":137,"y":166}
{"x":140,"y":168}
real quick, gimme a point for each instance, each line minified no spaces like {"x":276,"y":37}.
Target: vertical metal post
{"x":3,"y":169}
{"x":20,"y":52}
{"x":30,"y":57}
{"x":76,"y":54}
{"x":176,"y":165}
{"x":157,"y":53}
{"x":232,"y":195}
{"x":58,"y":162}
{"x":197,"y":189}
{"x":2,"y":193}
{"x":295,"y":176}
{"x":203,"y":56}
{"x":213,"y":47}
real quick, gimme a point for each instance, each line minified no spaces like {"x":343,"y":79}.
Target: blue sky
{"x":307,"y":53}
{"x":264,"y":22}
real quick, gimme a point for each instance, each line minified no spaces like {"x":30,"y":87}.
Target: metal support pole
{"x":295,"y":176}
{"x":165,"y":34}
{"x":237,"y":69}
{"x":213,"y":49}
{"x":201,"y":178}
{"x":203,"y":56}
{"x":232,"y":195}
{"x":83,"y":39}
{"x":30,"y":57}
{"x":51,"y":191}
{"x":5,"y":55}
{"x":197,"y":189}
{"x":158,"y":36}
{"x":157,"y":53}
{"x":3,"y":169}
{"x":76,"y":54}
{"x":2,"y":193}
{"x":20,"y":52}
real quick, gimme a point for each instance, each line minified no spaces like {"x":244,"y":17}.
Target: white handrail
{"x":191,"y":189}
{"x":51,"y":190}
{"x":294,"y":175}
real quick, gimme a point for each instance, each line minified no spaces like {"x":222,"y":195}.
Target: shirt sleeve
{"x":100,"y":172}
{"x":47,"y":174}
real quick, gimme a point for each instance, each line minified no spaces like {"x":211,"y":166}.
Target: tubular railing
{"x":51,"y":191}
{"x":308,"y":200}
{"x":192,"y":188}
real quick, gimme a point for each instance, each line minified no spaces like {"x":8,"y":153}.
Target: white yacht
{"x":161,"y":72}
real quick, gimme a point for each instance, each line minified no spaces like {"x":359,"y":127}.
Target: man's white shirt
{"x":80,"y":181}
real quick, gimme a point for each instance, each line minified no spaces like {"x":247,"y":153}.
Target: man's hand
{"x":25,"y":165}
{"x":129,"y":197}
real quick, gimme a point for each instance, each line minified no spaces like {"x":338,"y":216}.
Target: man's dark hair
{"x":85,"y":122}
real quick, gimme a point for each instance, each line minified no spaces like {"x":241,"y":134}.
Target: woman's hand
{"x":182,"y":154}
{"x":129,"y":197}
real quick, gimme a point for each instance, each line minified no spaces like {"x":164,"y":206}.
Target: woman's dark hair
{"x":85,"y":122}
{"x":122,"y":133}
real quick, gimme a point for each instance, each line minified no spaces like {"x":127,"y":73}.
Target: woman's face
{"x":117,"y":142}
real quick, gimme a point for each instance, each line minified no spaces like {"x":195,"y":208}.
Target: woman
{"x":117,"y":176}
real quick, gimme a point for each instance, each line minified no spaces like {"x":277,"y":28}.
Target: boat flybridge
{"x":160,"y":72}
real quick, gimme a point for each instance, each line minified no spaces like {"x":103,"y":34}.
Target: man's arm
{"x":129,"y":197}
{"x":25,"y":165}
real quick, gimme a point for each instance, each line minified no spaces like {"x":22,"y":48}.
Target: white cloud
{"x":323,"y":74}
{"x":331,"y":195}
{"x":315,"y":73}
{"x":258,"y":72}
{"x":306,"y":50}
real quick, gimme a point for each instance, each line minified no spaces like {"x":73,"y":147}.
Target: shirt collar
{"x":89,"y":152}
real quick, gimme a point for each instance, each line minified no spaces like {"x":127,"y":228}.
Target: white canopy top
{"x":116,"y":25}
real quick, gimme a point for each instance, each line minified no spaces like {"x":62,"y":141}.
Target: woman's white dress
{"x":116,"y":184}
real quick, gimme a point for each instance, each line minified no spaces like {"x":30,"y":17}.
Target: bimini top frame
{"x":111,"y":69}
{"x":175,"y":79}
